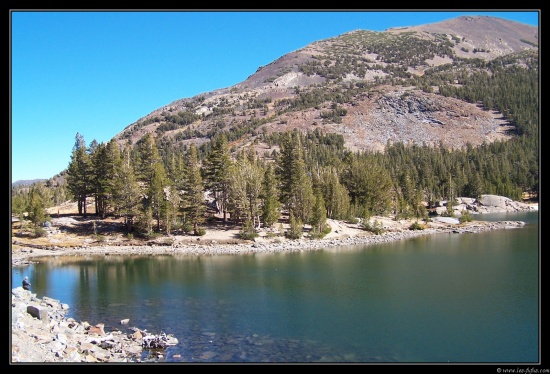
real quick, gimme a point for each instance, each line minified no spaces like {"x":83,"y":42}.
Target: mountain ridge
{"x":386,"y":110}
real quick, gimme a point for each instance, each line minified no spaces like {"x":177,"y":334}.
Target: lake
{"x":444,"y":298}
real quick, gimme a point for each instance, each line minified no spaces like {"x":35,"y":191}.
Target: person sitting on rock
{"x":26,"y":284}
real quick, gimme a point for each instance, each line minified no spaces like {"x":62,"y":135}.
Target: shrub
{"x":247,"y":231}
{"x":39,"y":232}
{"x":449,"y":212}
{"x":167,"y":241}
{"x":320,"y":235}
{"x":465,"y":217}
{"x":151,"y":235}
{"x":353,"y":220}
{"x":296,"y":228}
{"x":376,"y":228}
{"x":416,"y":226}
{"x":187,"y":227}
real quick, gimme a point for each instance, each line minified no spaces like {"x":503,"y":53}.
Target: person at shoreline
{"x":26,"y":283}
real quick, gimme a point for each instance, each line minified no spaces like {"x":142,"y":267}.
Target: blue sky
{"x":96,"y":72}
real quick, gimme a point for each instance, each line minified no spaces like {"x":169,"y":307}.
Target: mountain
{"x":27,"y":182}
{"x":369,"y":87}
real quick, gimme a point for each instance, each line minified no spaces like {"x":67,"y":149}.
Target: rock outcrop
{"x":486,"y":204}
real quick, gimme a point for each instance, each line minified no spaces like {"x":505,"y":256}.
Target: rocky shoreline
{"x":26,"y":255}
{"x":41,"y":333}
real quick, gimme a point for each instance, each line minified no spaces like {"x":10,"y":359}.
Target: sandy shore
{"x":216,"y":241}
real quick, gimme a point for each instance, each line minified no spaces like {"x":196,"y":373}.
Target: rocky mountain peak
{"x":370,"y":87}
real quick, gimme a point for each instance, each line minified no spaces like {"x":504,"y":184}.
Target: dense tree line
{"x":312,"y":177}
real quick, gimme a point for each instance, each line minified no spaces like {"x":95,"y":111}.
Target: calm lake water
{"x":459,"y":298}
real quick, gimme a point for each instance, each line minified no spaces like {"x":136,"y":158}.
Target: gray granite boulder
{"x":494,"y":201}
{"x":485,"y":204}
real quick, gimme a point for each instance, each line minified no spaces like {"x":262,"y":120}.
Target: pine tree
{"x":126,"y":192}
{"x":159,"y":183}
{"x":369,"y":184}
{"x":193,"y":206}
{"x":335,"y":194}
{"x":172,"y":204}
{"x":296,"y":229}
{"x":271,"y":207}
{"x":245,"y":187}
{"x":152,"y":175}
{"x":79,"y":174}
{"x":296,"y":187}
{"x":216,"y":173}
{"x":36,"y":208}
{"x":319,"y":215}
{"x":112,"y":172}
{"x":105,"y":161}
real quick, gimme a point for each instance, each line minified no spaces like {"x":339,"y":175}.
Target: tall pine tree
{"x":79,"y":174}
{"x":216,"y":173}
{"x":193,"y":205}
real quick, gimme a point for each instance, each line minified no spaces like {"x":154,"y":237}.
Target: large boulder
{"x":485,"y":204}
{"x":466,"y":200}
{"x":38,"y":312}
{"x":494,"y":201}
{"x":449,"y":220}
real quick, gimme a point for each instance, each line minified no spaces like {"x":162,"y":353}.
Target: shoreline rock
{"x":25,"y":255}
{"x":24,"y":251}
{"x":42,"y":333}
